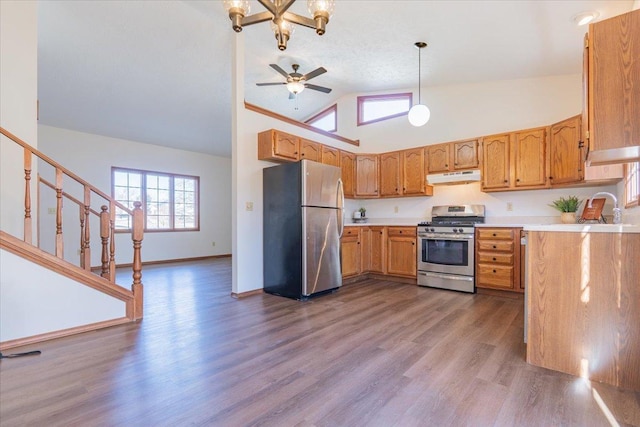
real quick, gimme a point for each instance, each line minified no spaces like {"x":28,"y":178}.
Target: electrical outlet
{"x":51,"y":211}
{"x":213,"y":243}
{"x":249,"y":206}
{"x":395,"y":209}
{"x":509,"y":206}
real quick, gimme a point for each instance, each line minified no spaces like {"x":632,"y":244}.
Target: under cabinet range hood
{"x":449,"y":178}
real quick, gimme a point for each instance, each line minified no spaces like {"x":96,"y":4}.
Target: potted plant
{"x":568,"y":207}
{"x":363,"y":211}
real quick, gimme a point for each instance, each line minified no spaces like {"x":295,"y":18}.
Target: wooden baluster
{"x":59,"y":237}
{"x":87,"y":228}
{"x":137,"y":236}
{"x":104,"y":237}
{"x":81,"y":211}
{"x":112,"y":243}
{"x":28,"y":231}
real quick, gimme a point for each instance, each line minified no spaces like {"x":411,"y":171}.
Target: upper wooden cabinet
{"x":611,"y":86}
{"x":413,"y":172}
{"x":452,"y":156}
{"x":310,"y":150}
{"x":438,"y":158}
{"x":403,"y":173}
{"x":566,"y":152}
{"x":496,"y":162}
{"x":330,"y":156}
{"x":278,"y":146}
{"x":367,"y":175}
{"x":530,"y":159}
{"x":390,"y":174}
{"x":515,"y":160}
{"x":348,"y":166}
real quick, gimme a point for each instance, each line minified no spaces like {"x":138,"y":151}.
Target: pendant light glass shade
{"x":419,"y":114}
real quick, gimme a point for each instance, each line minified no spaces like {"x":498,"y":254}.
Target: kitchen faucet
{"x":617,"y":214}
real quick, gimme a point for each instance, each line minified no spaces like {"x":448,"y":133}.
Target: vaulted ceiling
{"x":160,"y":71}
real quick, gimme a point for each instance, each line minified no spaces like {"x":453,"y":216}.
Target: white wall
{"x":18,"y":97}
{"x":92,"y":156}
{"x":36,"y":301}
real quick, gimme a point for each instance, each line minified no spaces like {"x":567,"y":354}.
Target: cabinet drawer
{"x":401,"y":231}
{"x":495,"y":245}
{"x":495,"y":258}
{"x":351,"y":231}
{"x":495,"y":233}
{"x":495,"y":276}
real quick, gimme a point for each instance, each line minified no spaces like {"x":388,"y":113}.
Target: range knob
{"x":432,"y":229}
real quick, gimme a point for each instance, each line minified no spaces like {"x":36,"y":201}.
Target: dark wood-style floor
{"x":373,"y":354}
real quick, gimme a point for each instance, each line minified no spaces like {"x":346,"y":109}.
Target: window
{"x":326,"y":120}
{"x":170,"y":202}
{"x":632,"y":184}
{"x":376,"y":108}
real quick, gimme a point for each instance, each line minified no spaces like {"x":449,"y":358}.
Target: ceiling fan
{"x":297,"y":82}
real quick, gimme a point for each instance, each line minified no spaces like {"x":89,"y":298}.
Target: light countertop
{"x":585,"y":228}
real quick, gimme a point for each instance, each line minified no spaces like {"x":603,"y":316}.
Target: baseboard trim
{"x":246,"y":294}
{"x":171,"y":261}
{"x":500,"y":293}
{"x":35,"y":339}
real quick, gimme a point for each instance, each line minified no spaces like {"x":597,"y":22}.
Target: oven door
{"x":444,"y":253}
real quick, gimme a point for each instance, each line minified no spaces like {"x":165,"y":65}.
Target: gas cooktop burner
{"x":458,"y":215}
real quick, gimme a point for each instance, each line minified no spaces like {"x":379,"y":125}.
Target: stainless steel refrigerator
{"x":302,"y":225}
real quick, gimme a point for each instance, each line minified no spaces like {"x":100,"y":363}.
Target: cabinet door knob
{"x":518,"y":180}
{"x":494,"y":246}
{"x":494,"y":258}
{"x":505,"y":181}
{"x":446,"y":165}
{"x":550,"y":177}
{"x":494,"y":271}
{"x":494,"y":234}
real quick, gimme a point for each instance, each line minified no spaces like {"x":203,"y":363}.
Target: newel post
{"x":136,"y":236}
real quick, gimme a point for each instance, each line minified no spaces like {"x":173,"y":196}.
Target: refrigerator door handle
{"x":340,"y":205}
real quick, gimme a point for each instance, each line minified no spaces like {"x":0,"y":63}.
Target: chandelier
{"x":281,"y":20}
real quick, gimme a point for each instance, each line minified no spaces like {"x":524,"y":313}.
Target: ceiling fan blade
{"x":280,"y":70}
{"x":314,"y":73}
{"x":271,"y":84}
{"x":318,"y":88}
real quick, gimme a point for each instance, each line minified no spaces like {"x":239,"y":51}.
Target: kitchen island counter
{"x":583,"y":301}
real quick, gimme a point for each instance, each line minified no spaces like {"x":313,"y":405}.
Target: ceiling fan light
{"x":419,"y":115}
{"x":295,"y":87}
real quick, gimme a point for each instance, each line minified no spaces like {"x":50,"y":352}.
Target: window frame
{"x":386,"y":97}
{"x":143,"y":196}
{"x":631,"y":173}
{"x":324,"y":113}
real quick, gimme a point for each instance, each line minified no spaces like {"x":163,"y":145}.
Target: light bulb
{"x":243,"y":5}
{"x":419,"y":115}
{"x":295,"y":87}
{"x":322,"y":6}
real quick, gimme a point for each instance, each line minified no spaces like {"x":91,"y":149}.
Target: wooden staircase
{"x":101,"y":278}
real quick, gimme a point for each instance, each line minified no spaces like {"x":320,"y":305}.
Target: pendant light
{"x":419,"y":114}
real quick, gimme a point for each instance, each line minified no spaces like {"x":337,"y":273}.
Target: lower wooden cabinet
{"x":379,"y":250}
{"x":351,"y":252}
{"x":401,"y":251}
{"x":498,"y":258}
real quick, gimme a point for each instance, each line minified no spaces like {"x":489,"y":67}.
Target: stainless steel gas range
{"x":446,"y":247}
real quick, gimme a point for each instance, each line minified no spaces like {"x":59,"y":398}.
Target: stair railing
{"x":106,"y":217}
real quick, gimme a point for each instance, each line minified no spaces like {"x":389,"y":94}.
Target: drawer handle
{"x":494,"y":258}
{"x":494,"y":234}
{"x":494,"y":246}
{"x":494,"y":271}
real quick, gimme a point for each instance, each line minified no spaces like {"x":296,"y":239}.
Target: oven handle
{"x":446,"y":276}
{"x":446,"y":236}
